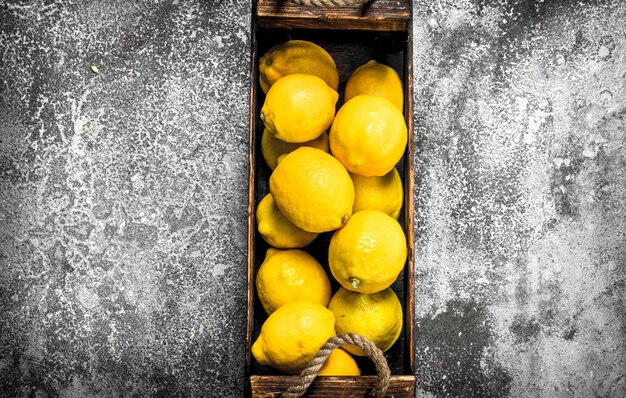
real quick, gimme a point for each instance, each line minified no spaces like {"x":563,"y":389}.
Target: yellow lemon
{"x":378,"y":80}
{"x":339,"y":363}
{"x":276,"y":230}
{"x":377,"y":317}
{"x":297,"y":56}
{"x":368,"y":253}
{"x":286,"y":276}
{"x":299,"y":108}
{"x":292,"y":335}
{"x":368,"y":135}
{"x":313,"y":190}
{"x":272,"y":148}
{"x":378,"y":193}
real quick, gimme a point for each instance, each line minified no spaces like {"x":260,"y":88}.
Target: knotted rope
{"x":310,"y":371}
{"x":331,"y":3}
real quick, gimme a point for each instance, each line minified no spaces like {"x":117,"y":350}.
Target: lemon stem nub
{"x":355,"y":282}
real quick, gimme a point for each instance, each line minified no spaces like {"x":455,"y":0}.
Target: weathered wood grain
{"x":383,"y":15}
{"x":251,"y":198}
{"x":339,"y":387}
{"x":409,"y":181}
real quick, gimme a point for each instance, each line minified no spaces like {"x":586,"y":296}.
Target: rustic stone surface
{"x":123,"y":144}
{"x":123,"y":198}
{"x":521,"y":199}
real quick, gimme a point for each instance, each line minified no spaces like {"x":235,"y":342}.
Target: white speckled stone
{"x":520,"y":206}
{"x":123,"y":201}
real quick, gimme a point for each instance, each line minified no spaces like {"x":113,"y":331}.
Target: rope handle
{"x":331,"y":3}
{"x":309,"y":373}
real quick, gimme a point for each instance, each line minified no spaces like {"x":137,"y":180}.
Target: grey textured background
{"x":521,"y":198}
{"x":123,"y":198}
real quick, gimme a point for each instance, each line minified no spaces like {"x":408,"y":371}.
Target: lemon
{"x":368,"y":253}
{"x":368,"y":135}
{"x":377,"y":317}
{"x":272,"y":148}
{"x":299,"y":108}
{"x":378,"y":193}
{"x":292,"y":335}
{"x":297,"y":56}
{"x":313,"y":190}
{"x":339,"y":363}
{"x":378,"y":80}
{"x":276,"y":230}
{"x":286,"y":276}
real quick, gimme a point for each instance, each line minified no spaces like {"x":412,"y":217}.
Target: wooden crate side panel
{"x":409,"y":184}
{"x":324,"y":387}
{"x":251,"y":194}
{"x":382,"y":15}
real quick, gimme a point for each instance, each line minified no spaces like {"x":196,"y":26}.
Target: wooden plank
{"x":339,"y":387}
{"x":409,"y":181}
{"x":380,"y":15}
{"x":254,"y":86}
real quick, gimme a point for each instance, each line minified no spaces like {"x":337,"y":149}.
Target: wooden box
{"x":352,"y":35}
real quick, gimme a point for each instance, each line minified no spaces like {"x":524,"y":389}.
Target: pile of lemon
{"x":331,"y":172}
